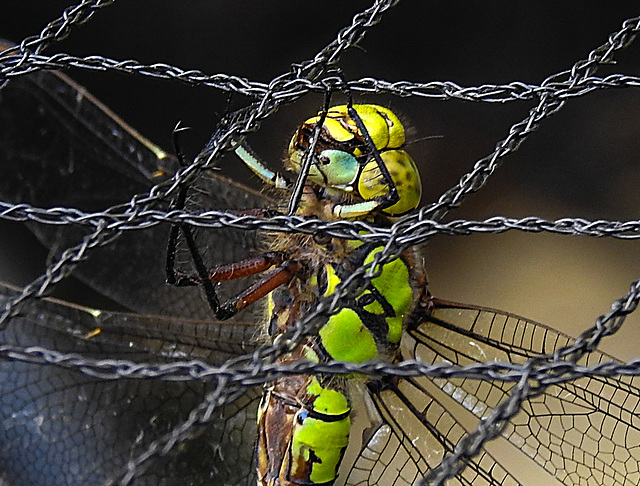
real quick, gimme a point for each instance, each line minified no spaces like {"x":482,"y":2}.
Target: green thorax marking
{"x":373,"y":322}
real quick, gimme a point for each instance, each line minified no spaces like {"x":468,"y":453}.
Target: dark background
{"x":582,"y":162}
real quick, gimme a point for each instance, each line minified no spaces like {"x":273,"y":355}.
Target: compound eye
{"x":337,"y":166}
{"x":404,"y":174}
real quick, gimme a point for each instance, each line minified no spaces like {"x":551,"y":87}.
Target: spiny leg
{"x":282,"y":274}
{"x":206,"y":277}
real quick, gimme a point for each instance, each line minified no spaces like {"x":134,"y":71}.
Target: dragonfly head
{"x":343,"y":161}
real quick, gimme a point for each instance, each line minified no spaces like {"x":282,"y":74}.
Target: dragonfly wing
{"x":583,"y":432}
{"x":59,"y":426}
{"x":59,"y":146}
{"x":409,"y":430}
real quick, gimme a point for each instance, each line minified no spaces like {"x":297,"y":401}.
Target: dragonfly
{"x":62,"y":147}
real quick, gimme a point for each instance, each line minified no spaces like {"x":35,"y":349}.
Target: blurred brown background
{"x":582,"y":162}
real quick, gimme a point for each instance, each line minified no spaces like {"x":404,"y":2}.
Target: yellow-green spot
{"x":346,"y":338}
{"x":395,"y":128}
{"x":375,"y":124}
{"x":374,"y":307}
{"x":354,"y":244}
{"x":383,"y":125}
{"x":394,"y":285}
{"x":337,"y":131}
{"x":270,"y":305}
{"x":310,"y":354}
{"x":332,"y":280}
{"x":330,"y":402}
{"x":326,"y":439}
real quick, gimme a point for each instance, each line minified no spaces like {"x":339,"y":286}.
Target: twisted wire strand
{"x":313,"y":75}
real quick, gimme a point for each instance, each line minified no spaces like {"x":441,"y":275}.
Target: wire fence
{"x":317,"y":75}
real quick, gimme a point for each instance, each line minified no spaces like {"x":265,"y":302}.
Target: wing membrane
{"x":582,"y":432}
{"x":59,"y":146}
{"x":59,"y":426}
{"x":415,"y":433}
{"x":411,"y":430}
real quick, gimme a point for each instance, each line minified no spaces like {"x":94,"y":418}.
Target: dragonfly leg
{"x":270,"y":281}
{"x":207,"y":277}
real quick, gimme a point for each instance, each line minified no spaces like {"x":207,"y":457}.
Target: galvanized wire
{"x":315,"y":75}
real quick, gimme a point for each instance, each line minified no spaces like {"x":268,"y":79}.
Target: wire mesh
{"x":315,"y":76}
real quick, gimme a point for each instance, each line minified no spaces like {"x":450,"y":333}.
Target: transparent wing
{"x":59,"y":426}
{"x":59,"y":146}
{"x":410,"y":427}
{"x":581,"y":433}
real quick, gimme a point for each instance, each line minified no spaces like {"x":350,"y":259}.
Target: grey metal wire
{"x":314,"y":75}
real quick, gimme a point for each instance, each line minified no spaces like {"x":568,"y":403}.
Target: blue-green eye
{"x":338,"y":167}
